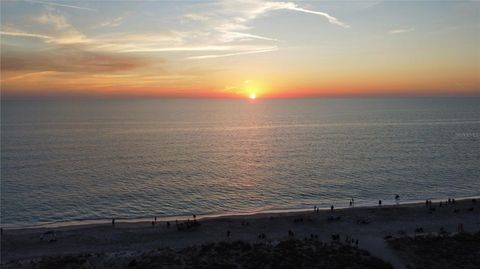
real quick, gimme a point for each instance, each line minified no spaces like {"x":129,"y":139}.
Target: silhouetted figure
{"x":350,"y":203}
{"x":153,"y":223}
{"x":290,"y":233}
{"x":113,"y":221}
{"x":228,"y":233}
{"x":331,"y":208}
{"x":356,"y":243}
{"x":379,"y":202}
{"x":194,"y":216}
{"x":168,"y":224}
{"x":314,"y":208}
{"x":453,"y":201}
{"x":155,"y":219}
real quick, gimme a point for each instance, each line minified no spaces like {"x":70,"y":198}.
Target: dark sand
{"x":372,"y":226}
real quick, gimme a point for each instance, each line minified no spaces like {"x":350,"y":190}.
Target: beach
{"x":372,"y":226}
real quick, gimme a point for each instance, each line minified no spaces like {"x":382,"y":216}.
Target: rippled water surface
{"x":66,"y":160}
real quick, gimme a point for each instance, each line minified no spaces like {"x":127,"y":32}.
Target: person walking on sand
{"x":113,"y":222}
{"x":379,"y":202}
{"x":331,"y":208}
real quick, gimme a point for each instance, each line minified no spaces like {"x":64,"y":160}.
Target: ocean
{"x":90,"y":159}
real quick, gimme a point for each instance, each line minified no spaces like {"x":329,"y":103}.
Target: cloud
{"x":64,"y":32}
{"x":401,"y":31}
{"x":231,"y":19}
{"x":20,"y":34}
{"x":224,"y":28}
{"x":60,"y":5}
{"x":112,"y":22}
{"x":201,"y":48}
{"x":257,"y":8}
{"x":231,"y":36}
{"x":232,"y":54}
{"x":195,"y":17}
{"x":69,"y":59}
{"x":330,"y":18}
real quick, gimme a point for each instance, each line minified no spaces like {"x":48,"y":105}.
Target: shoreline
{"x":147,"y":219}
{"x":371,"y":225}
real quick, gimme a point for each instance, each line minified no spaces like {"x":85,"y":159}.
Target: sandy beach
{"x":371,"y":226}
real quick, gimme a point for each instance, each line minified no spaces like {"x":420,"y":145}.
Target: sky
{"x":234,"y":49}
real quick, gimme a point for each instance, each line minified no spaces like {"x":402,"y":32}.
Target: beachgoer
{"x":356,"y":243}
{"x":228,"y":233}
{"x":155,"y":219}
{"x":379,"y":202}
{"x":113,"y":221}
{"x":168,"y":224}
{"x":153,"y":223}
{"x":331,"y":208}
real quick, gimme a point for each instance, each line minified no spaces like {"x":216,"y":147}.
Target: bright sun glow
{"x":252,"y":96}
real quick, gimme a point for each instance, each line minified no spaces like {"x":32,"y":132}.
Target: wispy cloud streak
{"x":401,"y":31}
{"x":330,"y":18}
{"x":230,"y":54}
{"x":25,"y":35}
{"x":60,"y":5}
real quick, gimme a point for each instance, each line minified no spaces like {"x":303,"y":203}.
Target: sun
{"x":252,"y":96}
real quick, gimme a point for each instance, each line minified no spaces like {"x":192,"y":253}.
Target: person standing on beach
{"x":113,"y":222}
{"x":379,"y":202}
{"x":331,"y":208}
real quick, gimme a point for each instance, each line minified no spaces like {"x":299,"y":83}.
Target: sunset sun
{"x":252,"y":96}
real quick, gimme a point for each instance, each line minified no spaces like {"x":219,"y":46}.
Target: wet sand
{"x":370,"y":225}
